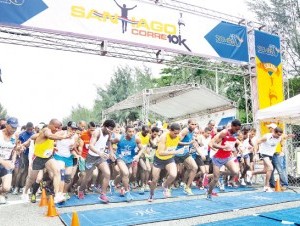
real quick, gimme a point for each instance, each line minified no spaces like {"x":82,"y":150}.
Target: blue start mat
{"x":287,"y":215}
{"x":91,"y":199}
{"x":246,"y":221}
{"x":156,"y":212}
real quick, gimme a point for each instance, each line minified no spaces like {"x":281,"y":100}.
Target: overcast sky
{"x":41,"y":84}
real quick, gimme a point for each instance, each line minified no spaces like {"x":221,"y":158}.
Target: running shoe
{"x":80,"y":194}
{"x":221,"y":183}
{"x":33,"y":198}
{"x":21,"y":190}
{"x":166,"y":192}
{"x":268,"y":189}
{"x":104,"y":198}
{"x":96,"y":189}
{"x":214,"y":193}
{"x":243,"y":182}
{"x":248,"y":176}
{"x":128,"y":196}
{"x":188,"y":190}
{"x":59,"y":198}
{"x":122,"y":191}
{"x":15,"y":191}
{"x":111,"y":186}
{"x":147,"y":187}
{"x":67,"y":196}
{"x":205,"y":180}
{"x":209,"y":197}
{"x":25,"y":197}
{"x":182,"y":184}
{"x":142,"y":190}
{"x":2,"y":199}
{"x":151,"y":196}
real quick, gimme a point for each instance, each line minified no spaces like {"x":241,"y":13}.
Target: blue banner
{"x":267,"y":48}
{"x":19,"y":11}
{"x":229,"y":41}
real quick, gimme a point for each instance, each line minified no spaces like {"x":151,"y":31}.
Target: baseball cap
{"x":72,"y":124}
{"x":13,"y":122}
{"x":272,"y":125}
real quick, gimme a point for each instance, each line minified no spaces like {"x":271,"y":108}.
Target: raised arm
{"x":118,"y":4}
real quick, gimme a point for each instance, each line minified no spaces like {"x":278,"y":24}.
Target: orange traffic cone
{"x":44,"y":200}
{"x":278,"y":186}
{"x":51,"y":208}
{"x":75,"y":219}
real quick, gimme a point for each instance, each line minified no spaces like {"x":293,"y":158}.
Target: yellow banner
{"x":270,"y":84}
{"x":270,"y":90}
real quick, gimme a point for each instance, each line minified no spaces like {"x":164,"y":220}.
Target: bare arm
{"x":260,"y":141}
{"x":140,"y":147}
{"x":215,"y":142}
{"x":162,"y":149}
{"x":118,"y":4}
{"x":182,"y":134}
{"x":59,"y":136}
{"x":93,"y":141}
{"x":132,"y":7}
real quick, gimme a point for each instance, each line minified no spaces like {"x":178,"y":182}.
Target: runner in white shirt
{"x":267,"y":147}
{"x":8,"y":151}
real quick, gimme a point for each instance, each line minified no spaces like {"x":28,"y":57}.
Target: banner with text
{"x":269,"y":72}
{"x":131,"y":21}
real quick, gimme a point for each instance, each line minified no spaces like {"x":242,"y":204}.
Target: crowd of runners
{"x":83,"y":157}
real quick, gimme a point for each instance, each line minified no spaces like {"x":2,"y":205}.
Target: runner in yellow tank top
{"x":164,"y":159}
{"x":171,"y":145}
{"x":44,"y":149}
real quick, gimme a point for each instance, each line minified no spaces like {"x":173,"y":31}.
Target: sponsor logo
{"x":231,"y":40}
{"x":271,"y":50}
{"x":146,"y":212}
{"x":14,"y":2}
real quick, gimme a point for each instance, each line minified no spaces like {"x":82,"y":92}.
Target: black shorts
{"x":4,"y":171}
{"x":262,"y":156}
{"x":251,"y":156}
{"x":201,"y":162}
{"x":181,"y":159}
{"x":161,"y":164}
{"x":39,"y":163}
{"x":75,"y":161}
{"x":24,"y":161}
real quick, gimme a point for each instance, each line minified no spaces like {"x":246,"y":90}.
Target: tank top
{"x":145,"y":140}
{"x":126,"y":149}
{"x":100,"y":144}
{"x":64,"y":147}
{"x":86,"y":137}
{"x":187,"y":138}
{"x":228,"y":139}
{"x":269,"y":146}
{"x":171,"y":144}
{"x":205,"y":147}
{"x":6,"y":147}
{"x":45,"y":149}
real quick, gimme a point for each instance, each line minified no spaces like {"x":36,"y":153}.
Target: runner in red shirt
{"x":225,"y":142}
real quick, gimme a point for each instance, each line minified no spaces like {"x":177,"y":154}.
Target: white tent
{"x":287,"y":111}
{"x":177,"y":102}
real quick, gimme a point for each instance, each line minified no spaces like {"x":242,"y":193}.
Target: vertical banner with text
{"x":269,"y":72}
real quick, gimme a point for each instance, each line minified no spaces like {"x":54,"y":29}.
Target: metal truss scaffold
{"x":113,"y":48}
{"x":49,"y":39}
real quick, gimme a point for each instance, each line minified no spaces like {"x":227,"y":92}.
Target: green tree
{"x":3,"y":112}
{"x":81,"y":113}
{"x":125,"y":81}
